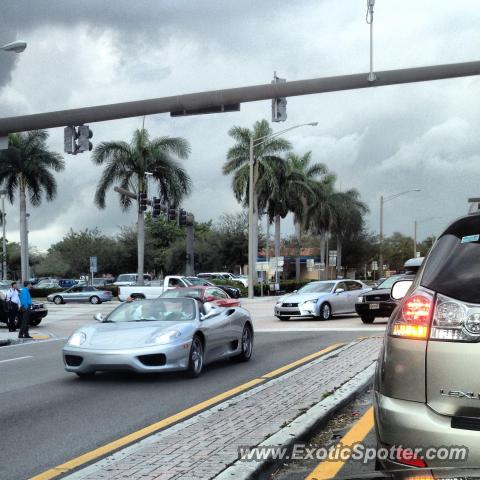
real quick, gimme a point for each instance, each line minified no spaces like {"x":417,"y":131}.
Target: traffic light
{"x":84,"y":136}
{"x":142,"y":202}
{"x":157,"y":207}
{"x":77,"y":140}
{"x":182,"y":218}
{"x":69,"y":136}
{"x":279,"y":105}
{"x":172,"y":214}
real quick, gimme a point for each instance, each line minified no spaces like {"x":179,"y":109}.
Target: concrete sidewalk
{"x":278,"y":410}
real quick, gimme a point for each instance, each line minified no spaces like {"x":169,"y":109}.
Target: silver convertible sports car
{"x":321,"y":300}
{"x":160,"y":335}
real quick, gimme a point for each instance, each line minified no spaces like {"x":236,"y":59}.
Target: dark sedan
{"x":377,"y":302}
{"x":38,"y":313}
{"x":233,"y":292}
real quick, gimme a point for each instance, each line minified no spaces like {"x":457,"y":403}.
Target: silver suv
{"x":427,"y":384}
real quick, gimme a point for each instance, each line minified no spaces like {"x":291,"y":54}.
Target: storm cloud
{"x":380,"y":141}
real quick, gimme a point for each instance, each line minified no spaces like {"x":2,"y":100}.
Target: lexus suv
{"x":427,"y":383}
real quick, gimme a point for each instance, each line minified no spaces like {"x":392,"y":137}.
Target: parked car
{"x":232,"y":291}
{"x":47,"y":283}
{"x":81,"y":293}
{"x":209,"y":294}
{"x":67,"y":282}
{"x":321,"y":300}
{"x":130,"y":279}
{"x":154,"y":289}
{"x":224,"y":276}
{"x":377,"y":302}
{"x":160,"y":335}
{"x":427,"y":387}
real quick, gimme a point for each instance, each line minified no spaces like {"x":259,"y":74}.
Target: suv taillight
{"x":412,"y":320}
{"x":455,"y":321}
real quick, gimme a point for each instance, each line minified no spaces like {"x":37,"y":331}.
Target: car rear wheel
{"x":58,"y":300}
{"x":195,"y":360}
{"x":247,"y":345}
{"x":325,"y":312}
{"x":94,"y":300}
{"x":367,"y":318}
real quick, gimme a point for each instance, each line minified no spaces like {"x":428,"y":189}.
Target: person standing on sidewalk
{"x":13,"y":301}
{"x":26,"y":307}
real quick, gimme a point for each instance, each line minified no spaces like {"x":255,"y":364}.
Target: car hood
{"x":129,"y":334}
{"x":302,"y":297}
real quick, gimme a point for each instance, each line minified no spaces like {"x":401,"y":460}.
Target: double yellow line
{"x":166,"y":422}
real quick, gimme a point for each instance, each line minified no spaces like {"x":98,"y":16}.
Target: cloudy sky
{"x":380,"y":141}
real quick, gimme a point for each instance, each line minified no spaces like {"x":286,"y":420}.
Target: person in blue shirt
{"x":26,"y":308}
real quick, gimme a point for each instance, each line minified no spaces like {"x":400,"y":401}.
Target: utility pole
{"x":414,"y":239}
{"x":381,"y":238}
{"x":3,"y":194}
{"x":190,"y":264}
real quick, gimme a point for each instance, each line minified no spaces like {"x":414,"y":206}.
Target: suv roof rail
{"x":474,"y":205}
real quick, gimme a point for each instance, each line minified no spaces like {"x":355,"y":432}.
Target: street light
{"x":15,"y":47}
{"x":382,"y":201}
{"x":251,"y":184}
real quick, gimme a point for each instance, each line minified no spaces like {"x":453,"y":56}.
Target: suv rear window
{"x":453,"y":267}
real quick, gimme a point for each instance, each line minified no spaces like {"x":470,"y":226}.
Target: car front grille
{"x":153,"y":360}
{"x":73,"y":360}
{"x":381,"y":297}
{"x":289,"y":304}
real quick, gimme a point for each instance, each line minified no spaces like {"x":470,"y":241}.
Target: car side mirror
{"x":339,"y":290}
{"x":98,"y":317}
{"x":295,"y":291}
{"x":211,"y":310}
{"x":400,"y":289}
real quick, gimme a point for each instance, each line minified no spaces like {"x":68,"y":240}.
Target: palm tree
{"x":127,"y":164}
{"x":265,"y":155}
{"x":302,"y":181}
{"x":347,"y":218}
{"x":319,"y":216}
{"x":26,"y":166}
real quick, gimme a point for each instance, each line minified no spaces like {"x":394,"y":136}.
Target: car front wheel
{"x":34,"y":322}
{"x":57,"y":300}
{"x":325,"y":312}
{"x":195,"y":360}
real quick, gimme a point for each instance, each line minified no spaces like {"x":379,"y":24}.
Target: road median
{"x":280,"y":408}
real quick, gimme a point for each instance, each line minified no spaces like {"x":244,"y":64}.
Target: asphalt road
{"x":49,"y":416}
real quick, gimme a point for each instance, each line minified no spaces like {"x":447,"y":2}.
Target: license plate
{"x":374,"y":306}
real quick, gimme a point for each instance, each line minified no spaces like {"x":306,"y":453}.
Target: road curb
{"x":301,"y":427}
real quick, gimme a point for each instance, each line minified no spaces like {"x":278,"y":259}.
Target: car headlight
{"x":77,"y":339}
{"x":167,"y":337}
{"x":309,"y":305}
{"x":360,"y":299}
{"x":279,"y":301}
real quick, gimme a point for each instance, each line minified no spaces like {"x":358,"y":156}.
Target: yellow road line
{"x":301,"y":361}
{"x":155,"y":427}
{"x":329,"y":469}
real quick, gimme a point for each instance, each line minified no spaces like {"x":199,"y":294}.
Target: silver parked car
{"x":427,"y":386}
{"x":321,"y":300}
{"x":160,"y":335}
{"x":81,"y":293}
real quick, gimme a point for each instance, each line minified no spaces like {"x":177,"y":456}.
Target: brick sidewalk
{"x":206,"y":444}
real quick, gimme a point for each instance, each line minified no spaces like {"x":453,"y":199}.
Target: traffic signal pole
{"x":203,"y":101}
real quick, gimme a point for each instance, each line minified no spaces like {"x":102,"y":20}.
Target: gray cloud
{"x":380,"y":141}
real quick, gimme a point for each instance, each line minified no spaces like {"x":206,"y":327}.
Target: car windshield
{"x":317,"y":287}
{"x":170,"y":310}
{"x":126,"y":278}
{"x":388,"y":282}
{"x":182,"y":293}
